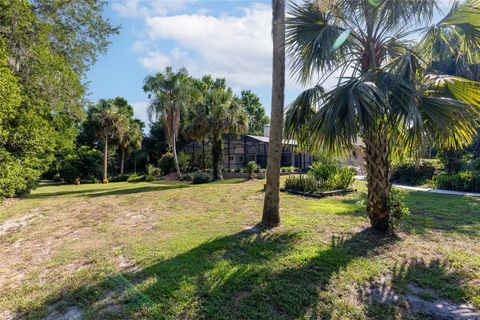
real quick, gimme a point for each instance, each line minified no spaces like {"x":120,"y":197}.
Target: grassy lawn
{"x":178,"y":251}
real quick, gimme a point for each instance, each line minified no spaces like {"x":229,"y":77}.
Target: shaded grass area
{"x":177,"y":251}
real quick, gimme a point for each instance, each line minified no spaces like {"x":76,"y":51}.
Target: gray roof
{"x":266,"y":139}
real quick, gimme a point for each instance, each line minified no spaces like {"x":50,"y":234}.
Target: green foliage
{"x":322,"y":171}
{"x":167,"y":163}
{"x":251,"y":168}
{"x":120,"y":178}
{"x":302,"y":183}
{"x":468,"y":181}
{"x":290,"y":169}
{"x":322,"y":176}
{"x":344,"y":177}
{"x":257,"y":118}
{"x":412,"y":174}
{"x":85,"y":163}
{"x":199,"y":177}
{"x":152,"y":173}
{"x":135,"y":178}
{"x":398,"y":209}
{"x":183,"y":160}
{"x":45,"y":50}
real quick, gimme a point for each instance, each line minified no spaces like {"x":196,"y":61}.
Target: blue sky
{"x":228,"y":39}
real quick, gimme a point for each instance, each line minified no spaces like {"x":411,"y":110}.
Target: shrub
{"x":166,"y":163}
{"x":185,"y":177}
{"x":251,"y":168}
{"x":152,"y":173}
{"x":136,"y":178}
{"x":322,"y":177}
{"x":323,"y":171}
{"x":183,"y":161}
{"x":57,"y":178}
{"x":199,"y":177}
{"x":398,"y":209}
{"x":290,"y":169}
{"x":411,"y":174}
{"x":468,"y":181}
{"x":119,"y":178}
{"x":85,"y":163}
{"x":344,"y":178}
{"x":302,"y":183}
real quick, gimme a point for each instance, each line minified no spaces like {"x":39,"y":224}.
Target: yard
{"x":179,"y":251}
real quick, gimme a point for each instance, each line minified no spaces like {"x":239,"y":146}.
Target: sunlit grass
{"x":165,"y":250}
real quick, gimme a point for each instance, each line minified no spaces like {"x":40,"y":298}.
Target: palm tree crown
{"x":384,"y":93}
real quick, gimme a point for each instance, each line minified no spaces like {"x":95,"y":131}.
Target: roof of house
{"x":266,"y":139}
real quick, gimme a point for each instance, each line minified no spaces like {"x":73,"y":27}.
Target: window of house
{"x":231,"y":158}
{"x":240,"y":158}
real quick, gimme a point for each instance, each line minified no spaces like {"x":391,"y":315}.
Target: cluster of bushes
{"x":199,"y":177}
{"x":85,"y":164}
{"x":468,"y":181}
{"x":322,"y":176}
{"x":413,"y":174}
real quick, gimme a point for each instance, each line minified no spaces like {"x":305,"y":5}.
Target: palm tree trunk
{"x":122,"y":161}
{"x":105,"y":161}
{"x":174,"y":150}
{"x":379,"y":185}
{"x":217,"y":157}
{"x":271,"y":206}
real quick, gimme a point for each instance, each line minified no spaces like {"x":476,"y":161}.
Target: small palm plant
{"x":385,"y":97}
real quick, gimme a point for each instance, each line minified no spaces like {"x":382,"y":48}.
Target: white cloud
{"x":155,"y":61}
{"x":136,"y":8}
{"x":140,"y":111}
{"x":238,"y":48}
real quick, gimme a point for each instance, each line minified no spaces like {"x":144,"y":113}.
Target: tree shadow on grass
{"x":422,"y":290}
{"x":430,"y":212}
{"x":127,"y":191}
{"x":45,"y":195}
{"x":449,"y":213}
{"x":242,"y":276}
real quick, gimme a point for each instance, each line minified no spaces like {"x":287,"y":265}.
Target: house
{"x":241,"y":149}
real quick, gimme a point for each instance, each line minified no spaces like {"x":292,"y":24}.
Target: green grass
{"x":168,"y":251}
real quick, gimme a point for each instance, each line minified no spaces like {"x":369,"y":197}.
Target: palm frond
{"x":313,"y":40}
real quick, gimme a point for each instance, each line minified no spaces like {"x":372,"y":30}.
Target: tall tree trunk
{"x":217,"y":157}
{"x":175,"y":121}
{"x":122,"y":161}
{"x":203,"y":153}
{"x":271,"y":205}
{"x":378,"y":176}
{"x":105,"y":161}
{"x":174,"y":150}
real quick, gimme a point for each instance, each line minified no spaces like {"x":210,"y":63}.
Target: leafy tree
{"x":219,"y":113}
{"x":48,"y":46}
{"x":271,"y":205}
{"x":85,"y":164}
{"x":390,"y":101}
{"x":25,"y":137}
{"x":110,"y":123}
{"x":170,"y":92}
{"x":257,"y":119}
{"x":130,"y":140}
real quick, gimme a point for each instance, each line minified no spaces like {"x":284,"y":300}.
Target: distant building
{"x":241,"y":149}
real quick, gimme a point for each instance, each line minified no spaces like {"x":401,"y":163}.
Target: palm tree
{"x":197,"y":127}
{"x":109,"y":123}
{"x":171,"y":97}
{"x":271,"y":205}
{"x":384,"y":95}
{"x":130,"y":141}
{"x":222,"y":115}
